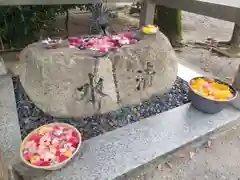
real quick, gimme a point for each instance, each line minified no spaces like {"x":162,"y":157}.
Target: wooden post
{"x":236,"y":81}
{"x":147,"y":12}
{"x":235,"y":39}
{"x":236,"y":85}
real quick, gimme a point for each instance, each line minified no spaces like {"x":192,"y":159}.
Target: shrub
{"x":20,"y":25}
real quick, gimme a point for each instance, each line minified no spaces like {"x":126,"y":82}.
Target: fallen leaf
{"x":197,"y":150}
{"x":169,"y":165}
{"x":209,"y":143}
{"x":191,"y":154}
{"x":159,"y":167}
{"x":180,"y":155}
{"x":111,"y":124}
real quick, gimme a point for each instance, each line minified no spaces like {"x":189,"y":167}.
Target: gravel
{"x":31,"y":117}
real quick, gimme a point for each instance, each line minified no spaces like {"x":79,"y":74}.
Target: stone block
{"x":3,"y":69}
{"x":10,"y":142}
{"x":9,"y":125}
{"x":120,"y":151}
{"x":144,"y":69}
{"x":68,"y":82}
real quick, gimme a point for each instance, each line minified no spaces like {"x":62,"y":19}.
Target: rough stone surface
{"x":152,"y":61}
{"x":68,"y":82}
{"x":217,"y":162}
{"x":10,"y":136}
{"x":101,"y":158}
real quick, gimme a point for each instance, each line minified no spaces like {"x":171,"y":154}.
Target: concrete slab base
{"x":10,"y":136}
{"x":113,"y":154}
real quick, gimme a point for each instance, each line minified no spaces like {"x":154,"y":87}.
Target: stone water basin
{"x":68,"y":82}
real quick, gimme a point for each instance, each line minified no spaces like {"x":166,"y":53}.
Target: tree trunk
{"x":66,"y":22}
{"x":170,"y":23}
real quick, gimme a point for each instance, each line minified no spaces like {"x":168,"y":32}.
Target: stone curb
{"x":116,"y":153}
{"x":3,"y":69}
{"x":110,"y":156}
{"x":10,"y":136}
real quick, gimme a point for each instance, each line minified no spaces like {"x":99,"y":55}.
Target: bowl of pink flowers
{"x":51,"y":146}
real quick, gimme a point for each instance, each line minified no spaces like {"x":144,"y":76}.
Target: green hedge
{"x":19,"y":25}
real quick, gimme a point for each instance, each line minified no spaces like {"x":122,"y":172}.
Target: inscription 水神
{"x":144,"y":77}
{"x":92,"y":92}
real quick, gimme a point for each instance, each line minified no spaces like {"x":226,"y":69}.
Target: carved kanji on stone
{"x":92,"y":92}
{"x":144,"y":78}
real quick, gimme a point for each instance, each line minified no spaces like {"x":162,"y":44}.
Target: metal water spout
{"x":100,"y":20}
{"x":104,"y":25}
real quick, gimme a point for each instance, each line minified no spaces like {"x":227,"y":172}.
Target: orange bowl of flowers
{"x":51,"y":146}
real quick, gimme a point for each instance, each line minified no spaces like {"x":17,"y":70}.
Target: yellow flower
{"x":152,"y":26}
{"x":35,"y":159}
{"x":68,"y":154}
{"x":220,"y":86}
{"x":150,"y":29}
